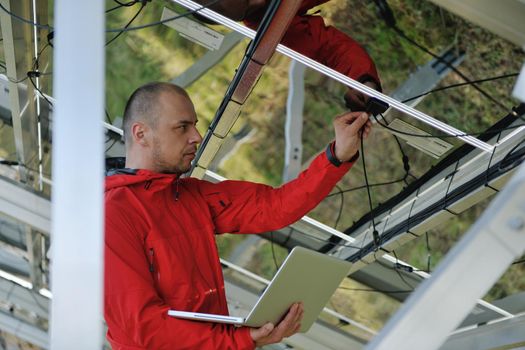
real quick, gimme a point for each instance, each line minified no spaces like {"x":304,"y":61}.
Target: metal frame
{"x":504,"y":333}
{"x":25,"y":206}
{"x":462,"y":276}
{"x":208,"y":61}
{"x":15,"y":36}
{"x":293,"y":128}
{"x":24,"y":330}
{"x":434,"y":192}
{"x":340,"y":77}
{"x":78,"y":176}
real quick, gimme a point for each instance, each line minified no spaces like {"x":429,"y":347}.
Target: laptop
{"x":305,"y":276}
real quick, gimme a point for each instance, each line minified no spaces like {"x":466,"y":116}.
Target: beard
{"x":164,"y":166}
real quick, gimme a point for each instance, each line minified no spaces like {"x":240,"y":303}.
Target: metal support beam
{"x":35,"y":256}
{"x":243,"y":83}
{"x":77,"y":268}
{"x":504,"y":18}
{"x":293,"y":129}
{"x":17,"y":49}
{"x":209,"y":60}
{"x":507,"y":333}
{"x":341,"y":78}
{"x":23,"y":330}
{"x":463,"y":276}
{"x":427,"y":77}
{"x":398,"y":225}
{"x":15,"y":294}
{"x":25,"y":206}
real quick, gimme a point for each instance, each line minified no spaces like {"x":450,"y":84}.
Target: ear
{"x":139,"y":133}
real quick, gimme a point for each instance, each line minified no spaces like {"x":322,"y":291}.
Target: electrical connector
{"x":375,"y":106}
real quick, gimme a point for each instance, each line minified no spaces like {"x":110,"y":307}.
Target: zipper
{"x":151,"y":259}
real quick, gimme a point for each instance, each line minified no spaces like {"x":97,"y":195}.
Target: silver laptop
{"x":305,"y":276}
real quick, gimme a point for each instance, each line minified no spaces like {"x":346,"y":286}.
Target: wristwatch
{"x":330,"y":154}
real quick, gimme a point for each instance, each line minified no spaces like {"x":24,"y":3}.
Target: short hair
{"x":142,"y":105}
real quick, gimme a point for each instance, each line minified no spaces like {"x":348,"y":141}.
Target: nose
{"x":196,"y":137}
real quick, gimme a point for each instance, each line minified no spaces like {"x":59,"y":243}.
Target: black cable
{"x":17,"y":81}
{"x":449,"y":160}
{"x":340,"y":206}
{"x":369,"y":185}
{"x":513,"y":158}
{"x":455,"y":195}
{"x":399,"y":266}
{"x":116,"y":30}
{"x":127,"y":24}
{"x":461,"y":84}
{"x":273,"y":251}
{"x":15,"y":163}
{"x":518,"y":262}
{"x":107,"y":116}
{"x":38,"y":25}
{"x":111,"y":146}
{"x":388,"y":16}
{"x":404,"y":158}
{"x":36,"y":63}
{"x":375,"y":234}
{"x":40,"y":91}
{"x":449,"y":65}
{"x":114,"y":8}
{"x":126,"y":4}
{"x":153,"y":24}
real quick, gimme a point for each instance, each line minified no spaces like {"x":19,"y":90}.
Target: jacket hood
{"x":127,"y":177}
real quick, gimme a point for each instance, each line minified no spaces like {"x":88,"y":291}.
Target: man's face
{"x":174,"y":136}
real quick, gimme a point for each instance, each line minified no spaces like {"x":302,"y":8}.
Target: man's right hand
{"x":270,"y":334}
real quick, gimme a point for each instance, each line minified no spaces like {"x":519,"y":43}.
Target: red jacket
{"x":160,"y":250}
{"x":310,"y":36}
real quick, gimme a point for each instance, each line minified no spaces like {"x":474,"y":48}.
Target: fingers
{"x":346,"y":118}
{"x":366,"y":129}
{"x":262,"y":332}
{"x":356,"y":120}
{"x":287,"y":327}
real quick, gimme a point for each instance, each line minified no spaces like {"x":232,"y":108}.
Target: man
{"x":308,"y":35}
{"x":160,"y":251}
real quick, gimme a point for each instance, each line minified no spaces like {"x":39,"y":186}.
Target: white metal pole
{"x":293,"y":128}
{"x":77,"y":198}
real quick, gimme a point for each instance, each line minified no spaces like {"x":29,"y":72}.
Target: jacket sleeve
{"x":136,"y":315}
{"x":245,"y":207}
{"x":327,"y":45}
